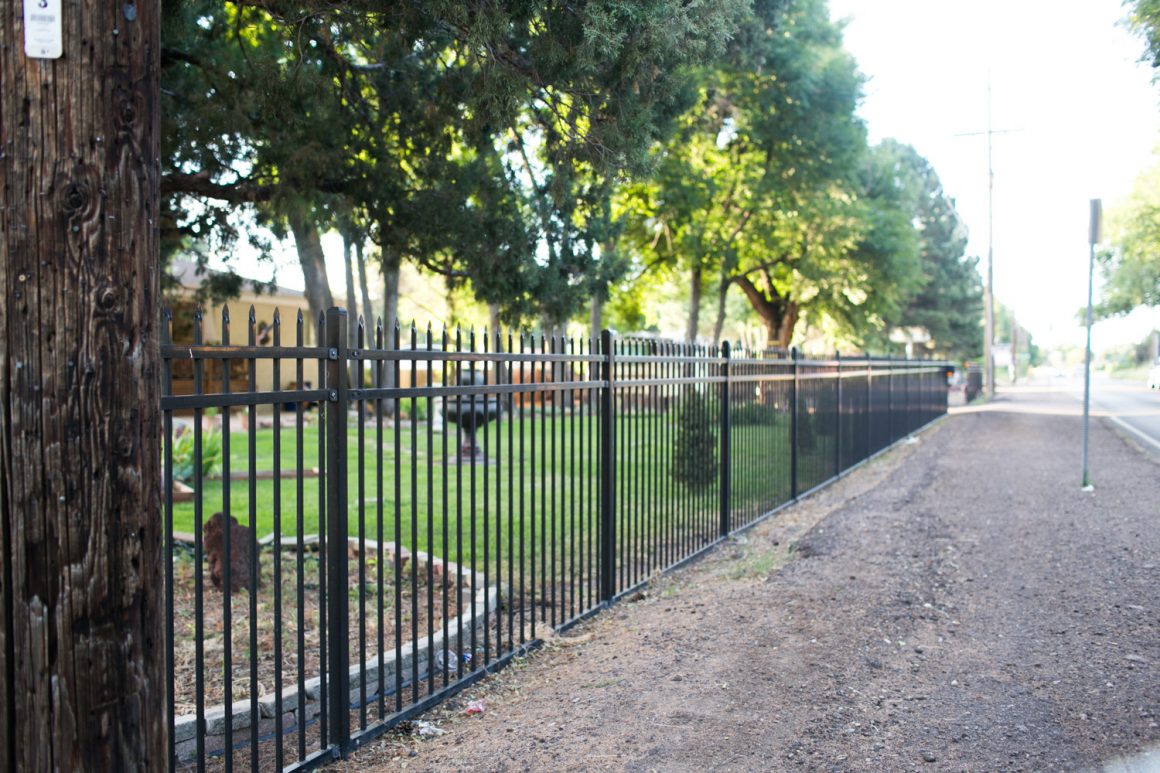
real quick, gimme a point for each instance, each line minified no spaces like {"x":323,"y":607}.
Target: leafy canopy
{"x":396,"y":118}
{"x":1131,"y":268}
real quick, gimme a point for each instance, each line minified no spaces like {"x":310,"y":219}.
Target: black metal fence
{"x":439,"y":501}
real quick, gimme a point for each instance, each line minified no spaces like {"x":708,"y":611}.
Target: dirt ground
{"x":957,"y":604}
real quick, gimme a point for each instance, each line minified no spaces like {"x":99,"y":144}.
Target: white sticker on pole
{"x":42,"y":29}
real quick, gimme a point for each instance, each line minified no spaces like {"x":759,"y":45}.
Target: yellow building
{"x":288,"y":303}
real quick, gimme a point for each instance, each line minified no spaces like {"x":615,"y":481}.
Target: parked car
{"x":1154,"y":378}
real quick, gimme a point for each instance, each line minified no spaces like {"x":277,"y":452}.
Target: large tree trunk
{"x":390,"y":270}
{"x":782,"y":336}
{"x":352,"y":315}
{"x":494,"y":326}
{"x":352,"y":306}
{"x":722,"y":295}
{"x":778,"y":314}
{"x":452,"y":305}
{"x":596,"y":318}
{"x":391,"y":264}
{"x":82,"y":639}
{"x":695,"y":281}
{"x":310,"y":256}
{"x":368,"y":311}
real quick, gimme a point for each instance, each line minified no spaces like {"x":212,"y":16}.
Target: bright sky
{"x":1067,"y":77}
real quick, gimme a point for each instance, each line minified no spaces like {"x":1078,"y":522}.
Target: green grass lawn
{"x":544,"y":476}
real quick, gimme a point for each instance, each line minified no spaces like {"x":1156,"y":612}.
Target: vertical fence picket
{"x":300,"y":537}
{"x":794,"y":445}
{"x":485,"y":499}
{"x":279,"y":730}
{"x":355,"y":370}
{"x":446,"y":458}
{"x":838,"y":415}
{"x":167,"y":529}
{"x":198,"y":555}
{"x":252,"y":529}
{"x":607,"y":470}
{"x":397,"y":521}
{"x":432,"y":670}
{"x":726,"y":444}
{"x":227,"y":550}
{"x":379,"y":380}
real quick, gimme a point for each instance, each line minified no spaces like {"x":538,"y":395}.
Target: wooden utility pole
{"x":989,"y":277}
{"x":82,"y":651}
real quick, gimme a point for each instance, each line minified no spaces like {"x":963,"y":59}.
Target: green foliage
{"x":1131,"y":267}
{"x":758,"y":188}
{"x":949,"y":301}
{"x":1144,"y":20}
{"x":415,"y":410}
{"x":461,"y":137}
{"x":695,"y":462}
{"x":753,"y":414}
{"x":184,"y":455}
{"x":541,"y":155}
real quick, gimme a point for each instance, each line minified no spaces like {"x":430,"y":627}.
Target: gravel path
{"x":958,"y":604}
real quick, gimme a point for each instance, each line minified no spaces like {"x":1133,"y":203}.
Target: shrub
{"x":183,"y":455}
{"x":753,"y":414}
{"x":695,"y":453}
{"x":416,"y":410}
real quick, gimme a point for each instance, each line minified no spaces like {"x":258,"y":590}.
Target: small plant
{"x":416,"y":410}
{"x":806,"y":431}
{"x":184,"y":455}
{"x":753,"y":414}
{"x":758,"y":564}
{"x":695,"y":453}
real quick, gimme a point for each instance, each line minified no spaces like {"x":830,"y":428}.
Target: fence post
{"x":793,"y":428}
{"x":908,"y":385}
{"x":338,"y":629}
{"x":726,"y":444}
{"x":607,"y":470}
{"x":838,"y":417}
{"x":890,"y":403}
{"x":869,"y":408}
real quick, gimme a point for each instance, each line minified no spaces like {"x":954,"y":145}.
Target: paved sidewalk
{"x":958,"y":604}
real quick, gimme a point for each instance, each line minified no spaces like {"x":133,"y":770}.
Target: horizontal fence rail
{"x":358,"y":527}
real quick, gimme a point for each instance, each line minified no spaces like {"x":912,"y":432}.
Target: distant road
{"x":1131,"y":406}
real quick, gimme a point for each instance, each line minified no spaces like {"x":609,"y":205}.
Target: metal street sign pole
{"x":1093,"y":239}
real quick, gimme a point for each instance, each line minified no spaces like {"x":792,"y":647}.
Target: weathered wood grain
{"x":81,"y":584}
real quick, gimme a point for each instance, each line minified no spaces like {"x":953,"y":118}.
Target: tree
{"x":1144,"y":20}
{"x":406,"y":110}
{"x":1131,"y":268}
{"x":949,"y":304}
{"x":82,"y":643}
{"x":756,"y":188}
{"x":250,"y":124}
